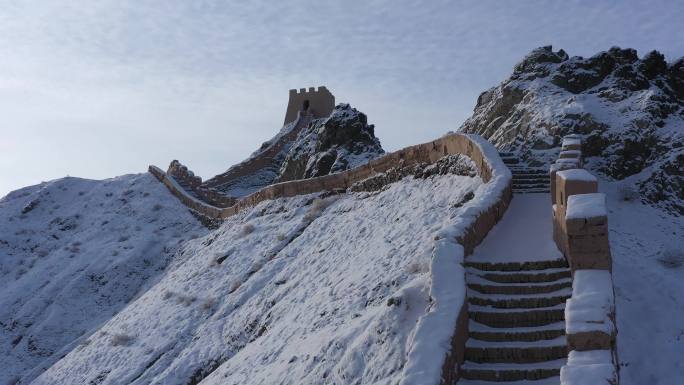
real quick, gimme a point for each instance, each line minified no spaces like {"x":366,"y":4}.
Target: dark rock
{"x":342,"y":141}
{"x":653,"y":64}
{"x":629,"y":112}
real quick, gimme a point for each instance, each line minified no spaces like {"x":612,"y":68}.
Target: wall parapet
{"x":473,"y":146}
{"x":580,"y":228}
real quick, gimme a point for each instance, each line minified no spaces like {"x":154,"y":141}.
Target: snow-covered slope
{"x":73,"y":253}
{"x":647,"y":246}
{"x":294,"y":291}
{"x":630,"y":112}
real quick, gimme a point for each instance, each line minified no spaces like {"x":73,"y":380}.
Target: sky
{"x":98,"y":89}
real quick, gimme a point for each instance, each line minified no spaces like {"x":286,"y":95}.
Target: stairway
{"x":516,"y":325}
{"x":526,"y":179}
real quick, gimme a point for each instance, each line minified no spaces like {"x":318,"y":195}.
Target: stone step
{"x":511,"y":318}
{"x":511,"y":372}
{"x":482,"y":332}
{"x":481,"y":285}
{"x":543,"y":343}
{"x":554,"y":380}
{"x":519,"y":170}
{"x":530,"y":187}
{"x":526,"y":181}
{"x":524,"y":302}
{"x":546,"y":275}
{"x":531,"y":175}
{"x":516,"y":351}
{"x":518,"y":266}
{"x":530,"y":191}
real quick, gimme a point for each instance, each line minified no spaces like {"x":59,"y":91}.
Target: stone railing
{"x":580,"y":224}
{"x":430,"y":152}
{"x":441,"y":333}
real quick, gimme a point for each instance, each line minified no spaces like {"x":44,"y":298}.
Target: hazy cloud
{"x":97,"y":89}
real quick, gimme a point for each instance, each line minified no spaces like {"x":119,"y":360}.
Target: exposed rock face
{"x":339,"y":142}
{"x":304,"y":148}
{"x":630,"y":112}
{"x":450,"y":164}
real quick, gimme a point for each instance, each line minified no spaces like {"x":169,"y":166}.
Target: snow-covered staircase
{"x":516,"y":326}
{"x":526,"y":179}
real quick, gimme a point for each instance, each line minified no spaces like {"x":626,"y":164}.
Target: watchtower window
{"x":305,"y":105}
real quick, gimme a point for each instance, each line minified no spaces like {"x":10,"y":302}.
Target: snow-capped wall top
{"x":629,"y":111}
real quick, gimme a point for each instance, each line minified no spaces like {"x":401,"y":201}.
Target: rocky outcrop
{"x":629,"y":112}
{"x":305,"y":148}
{"x":339,"y":142}
{"x":452,"y":164}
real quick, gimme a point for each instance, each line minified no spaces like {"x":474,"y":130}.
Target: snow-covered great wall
{"x":320,"y":260}
{"x":345,"y":288}
{"x":443,"y":329}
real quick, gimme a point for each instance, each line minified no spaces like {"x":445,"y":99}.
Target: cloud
{"x":102,"y":88}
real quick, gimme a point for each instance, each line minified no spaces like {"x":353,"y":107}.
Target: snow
{"x":648,"y":264}
{"x":591,"y":303}
{"x":586,"y":206}
{"x":300,"y":290}
{"x":578,"y":174}
{"x":571,"y":141}
{"x":78,"y":254}
{"x":510,"y":240}
{"x":567,"y":160}
{"x":592,"y":367}
{"x":570,"y":154}
{"x":432,"y":339}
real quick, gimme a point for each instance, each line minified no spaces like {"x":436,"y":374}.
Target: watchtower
{"x":319,"y":103}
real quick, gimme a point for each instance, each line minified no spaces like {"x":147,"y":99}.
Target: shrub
{"x":186,"y":300}
{"x":628,"y":193}
{"x":416,"y":268}
{"x":246,"y":229}
{"x":672,"y":258}
{"x":121,"y":339}
{"x":208,"y":304}
{"x":317,"y":207}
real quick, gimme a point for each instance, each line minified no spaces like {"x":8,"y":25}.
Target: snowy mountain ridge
{"x":629,"y":111}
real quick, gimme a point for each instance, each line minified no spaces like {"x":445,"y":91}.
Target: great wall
{"x":522,"y":318}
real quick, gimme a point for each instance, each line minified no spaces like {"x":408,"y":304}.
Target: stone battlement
{"x":317,"y":102}
{"x":309,"y":91}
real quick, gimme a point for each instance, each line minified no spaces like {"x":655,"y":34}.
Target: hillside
{"x":73,"y":253}
{"x":629,"y":111}
{"x":302,"y":290}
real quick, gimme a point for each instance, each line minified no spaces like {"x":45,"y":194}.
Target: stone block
{"x":573,"y":182}
{"x":560,"y":165}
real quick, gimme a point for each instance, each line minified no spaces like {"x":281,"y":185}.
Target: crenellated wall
{"x":317,"y":102}
{"x":580,"y":222}
{"x":421,"y":153}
